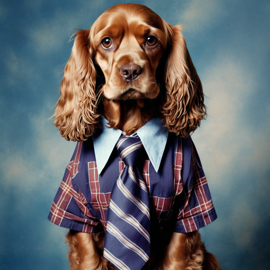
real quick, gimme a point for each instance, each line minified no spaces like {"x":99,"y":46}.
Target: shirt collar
{"x":106,"y":138}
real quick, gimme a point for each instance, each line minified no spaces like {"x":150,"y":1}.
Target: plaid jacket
{"x":82,"y":200}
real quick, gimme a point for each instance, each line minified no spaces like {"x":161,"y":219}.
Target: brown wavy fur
{"x":76,"y":110}
{"x":184,"y":252}
{"x":179,"y":103}
{"x":187,"y":251}
{"x":86,"y":251}
{"x":184,"y":106}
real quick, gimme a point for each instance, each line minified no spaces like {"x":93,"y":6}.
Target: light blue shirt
{"x":153,"y":136}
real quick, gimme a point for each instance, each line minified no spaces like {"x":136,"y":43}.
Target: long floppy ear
{"x":76,"y":110}
{"x":184,"y":106}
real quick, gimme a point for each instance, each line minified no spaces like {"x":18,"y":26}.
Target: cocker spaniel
{"x":130,"y":67}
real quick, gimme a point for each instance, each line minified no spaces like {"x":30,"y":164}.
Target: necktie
{"x":127,"y":239}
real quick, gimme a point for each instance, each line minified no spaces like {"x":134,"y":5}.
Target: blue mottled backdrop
{"x":229,"y":43}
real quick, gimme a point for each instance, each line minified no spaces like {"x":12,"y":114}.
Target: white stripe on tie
{"x":130,"y":149}
{"x":126,"y":242}
{"x":130,"y":220}
{"x":109,"y":256}
{"x":142,"y":184}
{"x":132,"y":198}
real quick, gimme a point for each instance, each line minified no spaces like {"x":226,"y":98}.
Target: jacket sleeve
{"x":70,"y":208}
{"x":196,"y":208}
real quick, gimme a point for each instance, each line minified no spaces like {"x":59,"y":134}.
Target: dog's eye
{"x":106,"y":42}
{"x":151,"y":40}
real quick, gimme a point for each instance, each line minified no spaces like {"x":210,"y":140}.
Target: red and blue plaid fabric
{"x":83,"y":198}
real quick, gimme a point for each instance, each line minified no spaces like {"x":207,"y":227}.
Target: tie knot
{"x":129,"y":149}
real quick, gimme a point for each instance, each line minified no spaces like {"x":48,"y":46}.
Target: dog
{"x":130,"y":67}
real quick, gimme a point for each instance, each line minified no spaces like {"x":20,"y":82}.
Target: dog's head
{"x":130,"y":65}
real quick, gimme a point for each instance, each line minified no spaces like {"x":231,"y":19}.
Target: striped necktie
{"x":127,"y":239}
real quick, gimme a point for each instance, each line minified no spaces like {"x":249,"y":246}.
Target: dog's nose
{"x":130,"y":72}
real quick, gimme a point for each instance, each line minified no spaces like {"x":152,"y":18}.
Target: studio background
{"x":229,"y":45}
